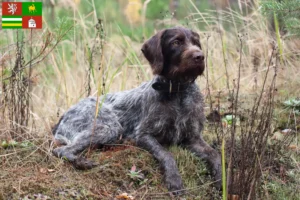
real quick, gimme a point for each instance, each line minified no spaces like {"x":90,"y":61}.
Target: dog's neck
{"x":165,"y":85}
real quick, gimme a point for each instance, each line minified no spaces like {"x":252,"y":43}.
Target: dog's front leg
{"x":201,"y":149}
{"x":168,"y":165}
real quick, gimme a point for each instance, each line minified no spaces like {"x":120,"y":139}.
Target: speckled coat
{"x":159,"y":113}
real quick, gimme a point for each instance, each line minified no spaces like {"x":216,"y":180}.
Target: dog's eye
{"x":197,"y":43}
{"x":175,"y":43}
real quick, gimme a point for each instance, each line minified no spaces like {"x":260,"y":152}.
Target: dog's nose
{"x":198,"y":56}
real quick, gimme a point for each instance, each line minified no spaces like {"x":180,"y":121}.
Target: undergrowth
{"x":251,"y":85}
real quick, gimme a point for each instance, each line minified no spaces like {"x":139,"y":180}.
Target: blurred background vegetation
{"x":130,"y":16}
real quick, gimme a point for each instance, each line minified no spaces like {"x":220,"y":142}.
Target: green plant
{"x":224,"y":185}
{"x":293,"y":104}
{"x":137,"y":175}
{"x":286,"y":11}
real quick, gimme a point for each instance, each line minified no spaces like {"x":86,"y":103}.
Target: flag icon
{"x":26,"y":15}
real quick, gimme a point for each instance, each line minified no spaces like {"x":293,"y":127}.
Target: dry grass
{"x":60,"y":80}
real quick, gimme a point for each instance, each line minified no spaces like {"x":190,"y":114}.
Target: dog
{"x":167,"y":110}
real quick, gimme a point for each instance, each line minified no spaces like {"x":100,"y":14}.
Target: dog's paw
{"x":83,"y":164}
{"x":57,"y":151}
{"x":174,"y":183}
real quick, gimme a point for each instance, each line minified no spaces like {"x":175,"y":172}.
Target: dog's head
{"x":175,"y":53}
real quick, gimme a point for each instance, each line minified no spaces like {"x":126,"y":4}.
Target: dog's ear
{"x":153,"y":53}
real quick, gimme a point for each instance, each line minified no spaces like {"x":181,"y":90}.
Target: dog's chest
{"x":173,"y":123}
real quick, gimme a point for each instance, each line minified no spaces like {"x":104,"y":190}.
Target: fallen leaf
{"x":286,"y":131}
{"x":51,"y":170}
{"x":125,"y":196}
{"x":293,"y":147}
{"x":43,"y":170}
{"x":233,"y":197}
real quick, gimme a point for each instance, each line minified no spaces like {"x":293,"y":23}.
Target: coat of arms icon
{"x":31,"y":23}
{"x":12,"y":8}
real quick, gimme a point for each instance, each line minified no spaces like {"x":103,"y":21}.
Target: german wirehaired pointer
{"x":165,"y":111}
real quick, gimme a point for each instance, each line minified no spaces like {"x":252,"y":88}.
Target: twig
{"x":207,"y":82}
{"x":223,"y":53}
{"x":234,"y":119}
{"x":33,"y":61}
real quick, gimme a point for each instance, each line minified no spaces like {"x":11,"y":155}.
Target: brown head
{"x":175,"y":54}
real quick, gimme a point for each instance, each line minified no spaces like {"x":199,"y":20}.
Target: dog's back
{"x":167,"y":117}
